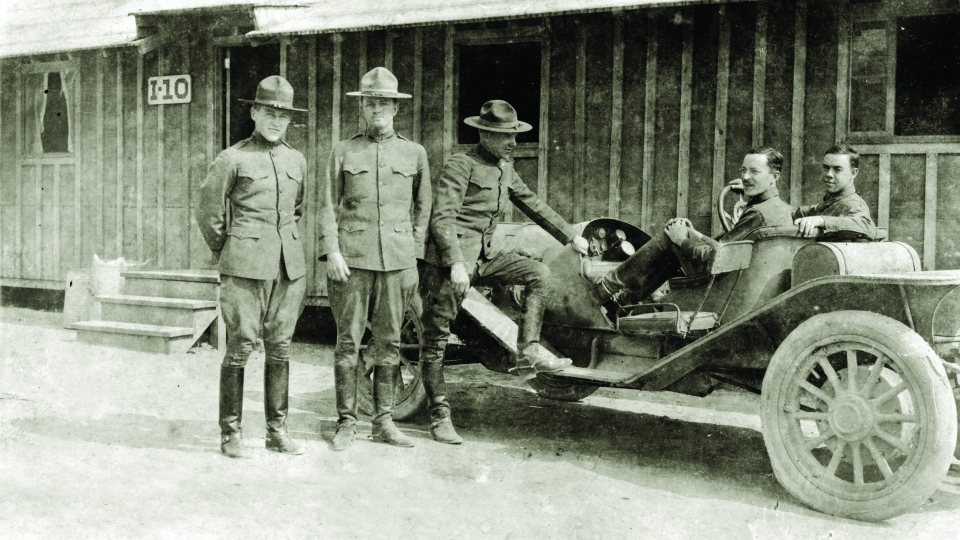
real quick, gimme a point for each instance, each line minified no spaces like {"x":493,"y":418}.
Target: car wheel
{"x":411,"y":398}
{"x":858,"y":416}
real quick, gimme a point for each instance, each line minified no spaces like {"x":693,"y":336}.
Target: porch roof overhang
{"x":358,"y":15}
{"x":36,"y":27}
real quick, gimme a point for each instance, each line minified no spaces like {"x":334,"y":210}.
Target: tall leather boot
{"x":276,"y":381}
{"x":641,"y":274}
{"x":345,"y":383}
{"x":384,"y":394}
{"x":431,"y":372}
{"x":231,"y":412}
{"x":530,"y":358}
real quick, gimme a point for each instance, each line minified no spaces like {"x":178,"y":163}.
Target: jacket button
{"x":381,"y":224}
{"x":382,"y":203}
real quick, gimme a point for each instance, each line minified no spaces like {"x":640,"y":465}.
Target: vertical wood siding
{"x":648,"y":114}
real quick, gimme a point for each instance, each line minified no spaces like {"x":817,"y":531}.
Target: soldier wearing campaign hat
{"x":371,"y":236}
{"x":469,"y":198}
{"x":250,"y":206}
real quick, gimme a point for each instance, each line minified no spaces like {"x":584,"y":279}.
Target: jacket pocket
{"x":358,"y":182}
{"x":352,"y":235}
{"x":403,"y":243}
{"x":241,"y":232}
{"x":402,"y":182}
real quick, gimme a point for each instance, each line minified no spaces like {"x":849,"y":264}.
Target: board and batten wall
{"x":645,"y":115}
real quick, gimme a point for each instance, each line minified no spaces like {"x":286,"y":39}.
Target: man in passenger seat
{"x":842,"y":212}
{"x":681,"y":247}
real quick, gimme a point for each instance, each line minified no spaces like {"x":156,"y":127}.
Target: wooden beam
{"x":161,"y":175}
{"x":799,"y":103}
{"x":883,"y":197}
{"x":77,"y":129}
{"x":361,"y":71}
{"x":3,"y":150}
{"x":686,"y":106}
{"x":185,"y":146}
{"x":56,"y":221}
{"x":312,"y":222}
{"x":101,"y":237}
{"x":150,"y":43}
{"x":543,"y":146}
{"x":140,"y":157}
{"x":891,"y":82}
{"x":448,"y":112}
{"x":283,"y":59}
{"x":649,"y":124}
{"x":38,"y":221}
{"x":580,"y":126}
{"x":18,"y":179}
{"x":388,"y":49}
{"x":930,"y":214}
{"x":337,"y":83}
{"x":228,"y":98}
{"x":515,"y":35}
{"x":616,"y":118}
{"x":760,"y":75}
{"x":720,"y":117}
{"x":418,"y":84}
{"x":908,"y":148}
{"x":119,"y":201}
{"x":843,"y":71}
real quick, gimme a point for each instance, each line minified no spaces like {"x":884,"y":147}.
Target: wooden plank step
{"x":156,"y":301}
{"x":195,"y":275}
{"x":115,"y":327}
{"x":586,"y":374}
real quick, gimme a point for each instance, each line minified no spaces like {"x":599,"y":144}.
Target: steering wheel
{"x":727,"y":220}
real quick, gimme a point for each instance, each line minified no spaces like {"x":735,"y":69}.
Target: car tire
{"x":858,"y":416}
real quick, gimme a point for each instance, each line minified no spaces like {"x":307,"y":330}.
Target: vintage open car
{"x":851,"y":346}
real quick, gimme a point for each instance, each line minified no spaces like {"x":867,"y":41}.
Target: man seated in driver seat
{"x":681,"y":247}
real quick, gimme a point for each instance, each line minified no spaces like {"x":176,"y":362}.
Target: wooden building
{"x":642,"y":109}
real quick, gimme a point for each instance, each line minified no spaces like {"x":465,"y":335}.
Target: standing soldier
{"x":470,"y":196}
{"x":250,"y":204}
{"x":372,"y":243}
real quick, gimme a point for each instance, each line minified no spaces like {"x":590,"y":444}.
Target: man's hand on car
{"x":678,"y":230}
{"x":580,"y":244}
{"x":810,"y":226}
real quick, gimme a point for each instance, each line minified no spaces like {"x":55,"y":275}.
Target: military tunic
{"x":250,"y":205}
{"x":660,"y":259}
{"x":470,"y":196}
{"x":844,"y":211}
{"x":378,"y":223}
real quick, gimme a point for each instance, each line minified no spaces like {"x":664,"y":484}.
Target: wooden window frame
{"x":499,"y":36}
{"x":24,"y":157}
{"x":884,"y":13}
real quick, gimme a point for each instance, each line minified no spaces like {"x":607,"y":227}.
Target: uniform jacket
{"x":379,"y":214}
{"x":469,"y":197}
{"x":250,"y":204}
{"x":764,"y":210}
{"x":843,"y":211}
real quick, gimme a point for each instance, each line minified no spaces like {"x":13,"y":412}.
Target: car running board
{"x":597,"y":377}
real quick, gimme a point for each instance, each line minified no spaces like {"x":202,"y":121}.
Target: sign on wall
{"x":169,"y":89}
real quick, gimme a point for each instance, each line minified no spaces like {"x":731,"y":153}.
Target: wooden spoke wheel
{"x":858,"y":416}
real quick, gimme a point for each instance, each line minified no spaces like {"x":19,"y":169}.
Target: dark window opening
{"x":927,"y":89}
{"x":509,"y":71}
{"x":56,"y":127}
{"x":47,"y":103}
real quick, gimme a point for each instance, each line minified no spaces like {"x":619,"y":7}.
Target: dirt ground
{"x":103,"y":443}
